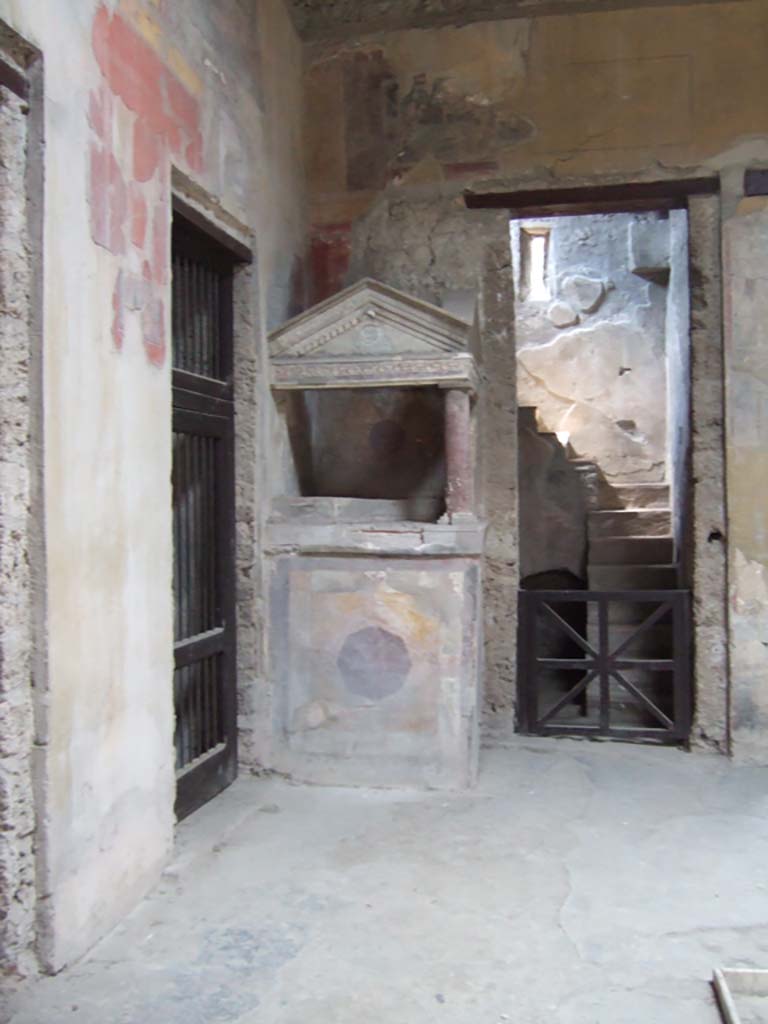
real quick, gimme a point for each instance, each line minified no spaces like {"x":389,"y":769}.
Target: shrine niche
{"x":375,"y":559}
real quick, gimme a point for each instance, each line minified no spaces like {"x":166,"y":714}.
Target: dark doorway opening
{"x":204,"y":684}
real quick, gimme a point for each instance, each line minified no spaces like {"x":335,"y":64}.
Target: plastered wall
{"x":132,"y":90}
{"x":618,"y":93}
{"x":412,"y":118}
{"x":592,"y":353}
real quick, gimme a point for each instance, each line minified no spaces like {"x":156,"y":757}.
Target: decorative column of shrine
{"x":459,"y":462}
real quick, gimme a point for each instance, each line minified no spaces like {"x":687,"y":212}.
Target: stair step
{"x":632,"y":551}
{"x":621,"y":613}
{"x":642,"y":495}
{"x":654,"y":642}
{"x":632,"y":577}
{"x":644,"y":522}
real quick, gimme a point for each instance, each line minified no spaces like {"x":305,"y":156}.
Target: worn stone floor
{"x":578,"y":883}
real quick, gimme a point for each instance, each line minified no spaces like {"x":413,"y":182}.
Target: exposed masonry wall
{"x":499,"y":479}
{"x":253,"y":699}
{"x":17,"y":864}
{"x":708,"y":507}
{"x":134,"y":89}
{"x":430,"y":246}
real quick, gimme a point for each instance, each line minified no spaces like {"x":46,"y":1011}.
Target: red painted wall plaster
{"x":130,"y":198}
{"x":330,"y":251}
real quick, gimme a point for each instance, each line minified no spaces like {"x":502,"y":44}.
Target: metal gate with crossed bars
{"x":605,"y":664}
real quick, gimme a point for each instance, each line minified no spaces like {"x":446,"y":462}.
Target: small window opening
{"x":534,"y":251}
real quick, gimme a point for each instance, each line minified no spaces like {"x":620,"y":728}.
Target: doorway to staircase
{"x":602,"y":328}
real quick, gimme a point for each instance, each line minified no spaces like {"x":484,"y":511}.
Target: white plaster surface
{"x":592,"y":358}
{"x":578,"y":884}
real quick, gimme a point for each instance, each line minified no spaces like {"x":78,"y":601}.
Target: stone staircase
{"x":630,"y":547}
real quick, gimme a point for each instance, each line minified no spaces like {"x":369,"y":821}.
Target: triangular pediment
{"x":369,"y":319}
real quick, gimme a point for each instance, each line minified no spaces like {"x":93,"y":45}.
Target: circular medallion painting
{"x":374,"y":663}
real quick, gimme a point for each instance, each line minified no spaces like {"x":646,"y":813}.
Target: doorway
{"x":602,"y":341}
{"x":204,"y":684}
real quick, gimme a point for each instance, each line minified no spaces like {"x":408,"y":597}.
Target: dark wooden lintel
{"x":621,"y":198}
{"x":213,"y":231}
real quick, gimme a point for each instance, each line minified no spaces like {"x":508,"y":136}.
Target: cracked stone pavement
{"x":577,"y":883}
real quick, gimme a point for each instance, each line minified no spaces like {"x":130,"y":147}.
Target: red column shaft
{"x":459,"y":469}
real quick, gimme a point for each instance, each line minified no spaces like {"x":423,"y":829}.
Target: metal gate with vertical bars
{"x":203,"y":518}
{"x":586,"y":667}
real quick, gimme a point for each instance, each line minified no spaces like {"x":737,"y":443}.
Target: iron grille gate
{"x":203,"y":519}
{"x":628,"y":649}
